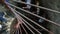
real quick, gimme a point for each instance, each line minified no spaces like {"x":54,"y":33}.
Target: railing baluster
{"x":31,"y":26}
{"x":36,"y":23}
{"x":38,"y":6}
{"x":35,"y":15}
{"x":19,"y":18}
{"x":24,"y":29}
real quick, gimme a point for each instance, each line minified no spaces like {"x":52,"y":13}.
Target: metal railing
{"x":23,"y":21}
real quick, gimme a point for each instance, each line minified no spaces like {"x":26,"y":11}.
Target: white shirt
{"x":0,"y":26}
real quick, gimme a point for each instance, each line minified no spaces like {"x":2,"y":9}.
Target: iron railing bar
{"x":40,"y":26}
{"x":15,"y":13}
{"x":35,"y":15}
{"x":19,"y":25}
{"x":23,"y":23}
{"x":24,"y":29}
{"x":18,"y":21}
{"x":22,"y":26}
{"x":28,"y":28}
{"x":15,"y":16}
{"x":20,"y":14}
{"x":34,"y":22}
{"x":38,"y":6}
{"x":20,"y":30}
{"x":31,"y":25}
{"x":26,"y":25}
